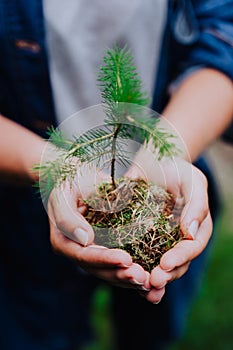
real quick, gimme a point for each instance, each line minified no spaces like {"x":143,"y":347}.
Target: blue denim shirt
{"x":198,"y":33}
{"x":34,"y":299}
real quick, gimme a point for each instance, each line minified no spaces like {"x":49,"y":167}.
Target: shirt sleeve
{"x":212,"y":44}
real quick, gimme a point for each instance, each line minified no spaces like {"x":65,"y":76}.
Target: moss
{"x":138,"y":217}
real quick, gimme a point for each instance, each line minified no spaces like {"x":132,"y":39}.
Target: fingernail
{"x":145,"y":289}
{"x":193,"y":228}
{"x":134,"y":281}
{"x":156,"y":302}
{"x":81,"y":236}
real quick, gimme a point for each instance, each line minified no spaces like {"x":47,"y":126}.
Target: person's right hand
{"x":71,"y":235}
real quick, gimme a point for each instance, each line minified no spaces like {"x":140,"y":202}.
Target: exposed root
{"x":138,"y":217}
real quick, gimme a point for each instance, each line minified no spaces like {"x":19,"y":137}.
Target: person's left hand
{"x":181,"y":179}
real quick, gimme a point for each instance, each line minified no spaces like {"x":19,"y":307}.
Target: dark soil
{"x":137,"y":217}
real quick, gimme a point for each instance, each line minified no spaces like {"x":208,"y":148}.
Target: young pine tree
{"x":151,"y":232}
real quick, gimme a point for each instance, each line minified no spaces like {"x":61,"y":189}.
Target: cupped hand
{"x":182,"y":179}
{"x":71,"y":235}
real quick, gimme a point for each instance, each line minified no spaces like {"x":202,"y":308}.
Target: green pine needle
{"x":119,"y":81}
{"x":126,"y":118}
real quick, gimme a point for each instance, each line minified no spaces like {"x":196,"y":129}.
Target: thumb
{"x":196,"y":208}
{"x":134,"y":172}
{"x":65,"y":214}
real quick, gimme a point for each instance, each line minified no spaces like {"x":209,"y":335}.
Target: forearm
{"x":20,"y":149}
{"x":201,"y":109}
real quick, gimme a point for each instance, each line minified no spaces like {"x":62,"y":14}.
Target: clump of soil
{"x":138,"y":217}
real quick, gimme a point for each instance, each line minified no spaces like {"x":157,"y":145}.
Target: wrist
{"x":33,"y":158}
{"x":20,"y":149}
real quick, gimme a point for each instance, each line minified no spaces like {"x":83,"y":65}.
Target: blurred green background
{"x":210,"y":323}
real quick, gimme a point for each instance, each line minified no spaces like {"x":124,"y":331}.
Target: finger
{"x":67,"y":217}
{"x":135,"y":275}
{"x":133,"y":173}
{"x":186,"y":250}
{"x":132,"y":277}
{"x":155,"y":295}
{"x":91,"y":256}
{"x":159,"y":278}
{"x":197,"y":207}
{"x":88,"y":179}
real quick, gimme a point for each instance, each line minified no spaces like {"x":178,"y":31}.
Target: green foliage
{"x":57,"y":138}
{"x":123,"y":99}
{"x":54,"y":173}
{"x":92,"y":145}
{"x":119,"y":81}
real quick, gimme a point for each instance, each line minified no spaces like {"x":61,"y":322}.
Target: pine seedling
{"x":129,"y":214}
{"x":121,"y":91}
